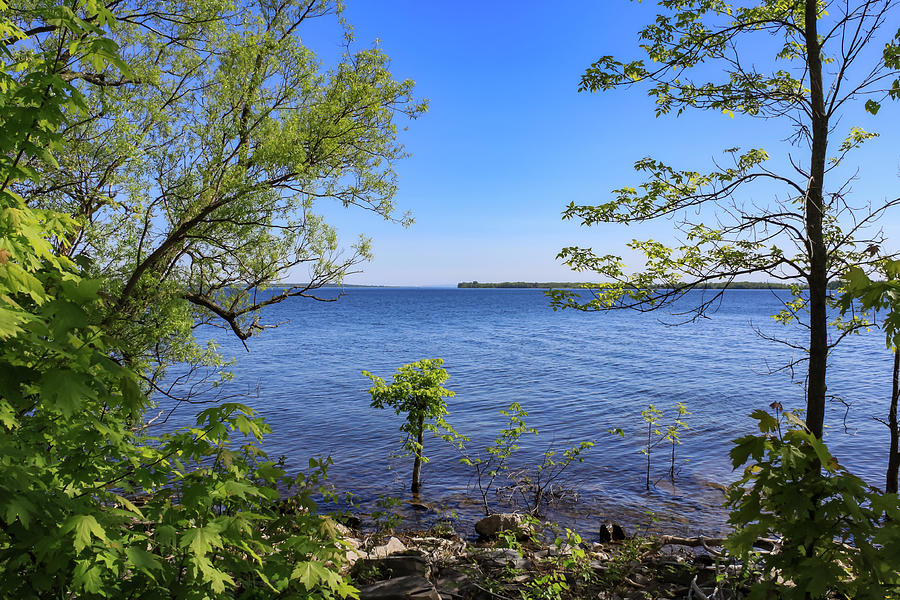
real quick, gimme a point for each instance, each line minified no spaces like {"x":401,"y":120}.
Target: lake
{"x":577,"y":375}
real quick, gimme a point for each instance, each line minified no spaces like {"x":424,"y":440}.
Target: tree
{"x":193,"y":179}
{"x":417,"y":393}
{"x":808,"y":231}
{"x":874,"y":296}
{"x":73,"y":452}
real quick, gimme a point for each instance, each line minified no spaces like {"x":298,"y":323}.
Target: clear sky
{"x":508,"y":141}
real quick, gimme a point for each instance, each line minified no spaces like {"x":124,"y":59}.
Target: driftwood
{"x":708,"y":543}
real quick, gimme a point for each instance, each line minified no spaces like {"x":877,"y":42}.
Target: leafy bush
{"x":838,"y":536}
{"x":73,"y":454}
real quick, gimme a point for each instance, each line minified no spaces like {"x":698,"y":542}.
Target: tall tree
{"x":827,"y":62}
{"x":194,"y":179}
{"x":209,"y":525}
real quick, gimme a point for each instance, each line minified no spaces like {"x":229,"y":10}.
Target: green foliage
{"x":74,"y":457}
{"x":572,"y":558}
{"x":193,"y":178}
{"x":871,"y":295}
{"x":386,"y":517}
{"x":551,"y":586}
{"x":494,"y":461}
{"x":786,"y":62}
{"x":671,"y":434}
{"x":838,"y":536}
{"x":532,"y":487}
{"x":627,"y":555}
{"x":651,"y":416}
{"x":416,"y":392}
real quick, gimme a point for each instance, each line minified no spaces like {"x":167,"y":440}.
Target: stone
{"x":411,"y":587}
{"x":611,"y":533}
{"x":454,"y":583}
{"x":390,"y":567}
{"x":491,"y":525}
{"x":351,"y":521}
{"x":393,"y":546}
{"x":499,"y":557}
{"x":605,"y":534}
{"x":439,"y":548}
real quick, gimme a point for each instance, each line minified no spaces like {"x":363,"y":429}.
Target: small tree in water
{"x":416,"y":392}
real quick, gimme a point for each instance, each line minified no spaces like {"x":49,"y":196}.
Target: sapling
{"x":494,"y":462}
{"x":651,"y":416}
{"x":671,"y":434}
{"x":416,"y":392}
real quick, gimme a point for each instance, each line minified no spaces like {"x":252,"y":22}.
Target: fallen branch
{"x":706,"y":542}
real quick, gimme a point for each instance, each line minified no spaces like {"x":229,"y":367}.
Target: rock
{"x":499,"y":557}
{"x":611,"y":533}
{"x":454,"y":584}
{"x":412,"y":587}
{"x":342,"y":530}
{"x":605,"y":534}
{"x":393,"y":546}
{"x":439,"y":548}
{"x":351,"y":521}
{"x":563,"y":549}
{"x":599,"y":565}
{"x":391,"y":567}
{"x":491,"y":525}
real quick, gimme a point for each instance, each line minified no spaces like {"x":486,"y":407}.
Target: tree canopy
{"x":193,"y":178}
{"x":158,"y":164}
{"x":827,"y":63}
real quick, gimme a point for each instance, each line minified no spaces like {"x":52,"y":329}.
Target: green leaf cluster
{"x":883,"y":295}
{"x":838,"y":535}
{"x":416,"y":392}
{"x":90,"y":505}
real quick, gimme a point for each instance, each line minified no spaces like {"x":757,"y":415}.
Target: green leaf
{"x":310,"y":574}
{"x":202,"y":539}
{"x":20,"y":508}
{"x":143,"y":560}
{"x":66,"y":389}
{"x":216,"y":578}
{"x":87,"y":576}
{"x":767,"y":423}
{"x":84,"y":527}
{"x":872,"y":106}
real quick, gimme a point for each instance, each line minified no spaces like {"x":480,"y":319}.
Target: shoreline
{"x":514,"y":556}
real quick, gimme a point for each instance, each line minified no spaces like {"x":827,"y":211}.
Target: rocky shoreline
{"x":519,"y":557}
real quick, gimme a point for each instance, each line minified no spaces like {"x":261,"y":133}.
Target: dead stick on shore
{"x":705,"y":542}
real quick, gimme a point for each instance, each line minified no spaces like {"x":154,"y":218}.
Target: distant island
{"x":735,"y":285}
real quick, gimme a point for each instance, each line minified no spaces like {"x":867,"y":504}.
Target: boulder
{"x":393,"y":546}
{"x":499,"y":557}
{"x":389,"y":567}
{"x":611,"y":533}
{"x":491,"y":525}
{"x":411,"y":587}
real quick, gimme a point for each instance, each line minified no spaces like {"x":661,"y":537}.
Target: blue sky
{"x":508,"y":141}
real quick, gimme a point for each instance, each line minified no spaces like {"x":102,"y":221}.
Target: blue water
{"x":577,"y":375}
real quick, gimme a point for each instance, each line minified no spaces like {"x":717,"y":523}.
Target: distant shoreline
{"x":736,"y":285}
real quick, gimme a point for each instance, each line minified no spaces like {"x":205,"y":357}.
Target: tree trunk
{"x":815,"y":240}
{"x":417,"y":463}
{"x":894,"y":456}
